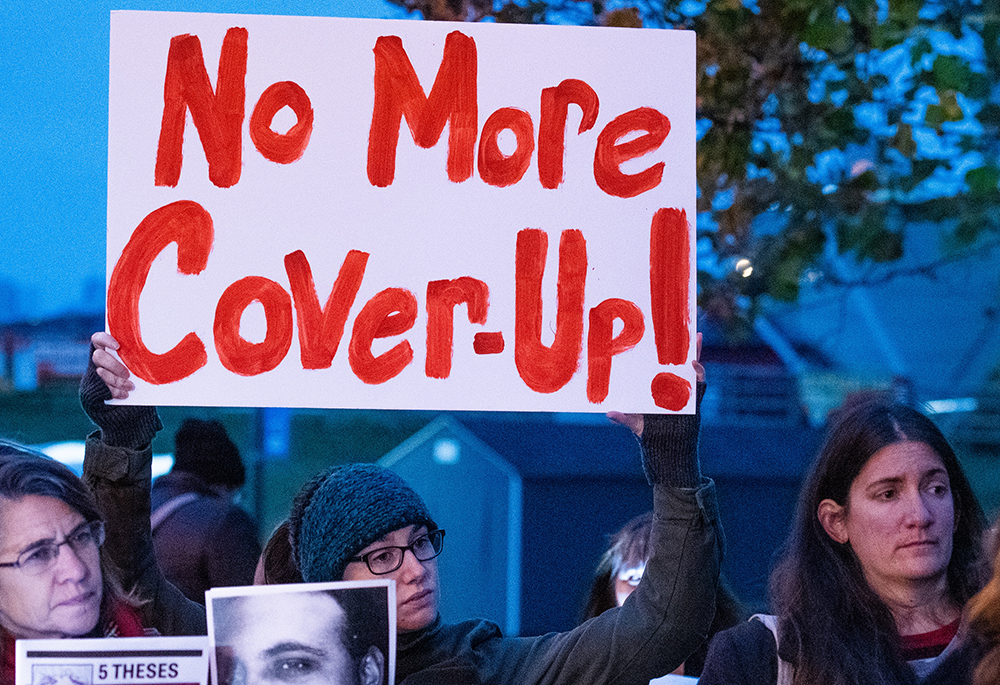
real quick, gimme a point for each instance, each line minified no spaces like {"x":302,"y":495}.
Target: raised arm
{"x":118,"y":468}
{"x":670,"y":613}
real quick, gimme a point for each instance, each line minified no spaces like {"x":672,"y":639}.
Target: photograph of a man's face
{"x":308,"y":634}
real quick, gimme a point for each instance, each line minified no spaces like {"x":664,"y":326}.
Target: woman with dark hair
{"x":620,"y":568}
{"x":619,"y":571}
{"x":55,"y":581}
{"x":883,"y":555}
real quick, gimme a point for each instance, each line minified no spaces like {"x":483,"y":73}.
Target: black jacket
{"x":209,"y":542}
{"x":747,"y":655}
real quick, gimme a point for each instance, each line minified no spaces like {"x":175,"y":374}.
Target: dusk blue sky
{"x":53,"y":160}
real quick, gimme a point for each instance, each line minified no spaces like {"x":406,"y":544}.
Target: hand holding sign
{"x":634,"y":422}
{"x":109,"y":368}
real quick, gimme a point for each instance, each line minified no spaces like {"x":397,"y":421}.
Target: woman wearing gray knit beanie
{"x":364,"y":522}
{"x":342,"y":512}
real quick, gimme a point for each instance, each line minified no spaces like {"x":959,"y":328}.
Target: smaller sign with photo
{"x":312,"y":633}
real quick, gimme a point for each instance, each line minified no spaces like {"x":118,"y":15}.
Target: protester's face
{"x":286,"y":638}
{"x":63,"y":601}
{"x":900,"y":518}
{"x":417,"y":587}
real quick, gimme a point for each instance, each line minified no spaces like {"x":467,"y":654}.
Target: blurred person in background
{"x":203,"y":538}
{"x":984,"y":619}
{"x":618,"y":574}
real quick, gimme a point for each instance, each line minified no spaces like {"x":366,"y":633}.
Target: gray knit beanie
{"x":340,"y":513}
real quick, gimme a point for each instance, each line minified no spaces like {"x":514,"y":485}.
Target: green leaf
{"x":951,"y":73}
{"x":869,"y":238}
{"x":932,"y":210}
{"x":905,"y":12}
{"x":923,"y":168}
{"x":903,"y":140}
{"x":877,"y":81}
{"x":840,"y":122}
{"x":867,"y":180}
{"x":862,"y":11}
{"x":848,"y":235}
{"x":934,"y":116}
{"x":828,"y":34}
{"x":952,"y":109}
{"x":983,"y":180}
{"x":979,"y":86}
{"x":887,"y":247}
{"x":784,"y":283}
{"x":970,"y":143}
{"x":948,"y":110}
{"x":920,"y":48}
{"x":966,"y":233}
{"x":833,"y":85}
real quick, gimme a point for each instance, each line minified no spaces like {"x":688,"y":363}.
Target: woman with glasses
{"x":54,"y":579}
{"x":619,"y":572}
{"x":362,"y":522}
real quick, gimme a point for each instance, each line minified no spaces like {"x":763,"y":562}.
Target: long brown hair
{"x":277,"y":560}
{"x":834,"y":628}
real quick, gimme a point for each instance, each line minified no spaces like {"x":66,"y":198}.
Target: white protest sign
{"x":324,"y":212}
{"x":305,"y":632}
{"x":112,"y":661}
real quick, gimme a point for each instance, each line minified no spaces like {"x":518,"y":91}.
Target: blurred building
{"x":35,"y":353}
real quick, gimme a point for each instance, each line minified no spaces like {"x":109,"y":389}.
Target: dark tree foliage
{"x":828,"y":128}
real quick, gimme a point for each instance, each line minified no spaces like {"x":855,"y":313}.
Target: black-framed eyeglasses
{"x":388,"y":559}
{"x":41,"y":556}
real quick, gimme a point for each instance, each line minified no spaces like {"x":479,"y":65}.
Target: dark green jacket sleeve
{"x":121,"y":479}
{"x":661,"y":623}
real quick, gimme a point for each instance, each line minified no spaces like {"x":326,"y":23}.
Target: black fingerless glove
{"x":670,"y":447}
{"x":121,"y":425}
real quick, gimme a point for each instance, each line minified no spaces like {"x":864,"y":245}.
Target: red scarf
{"x":124,"y":623}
